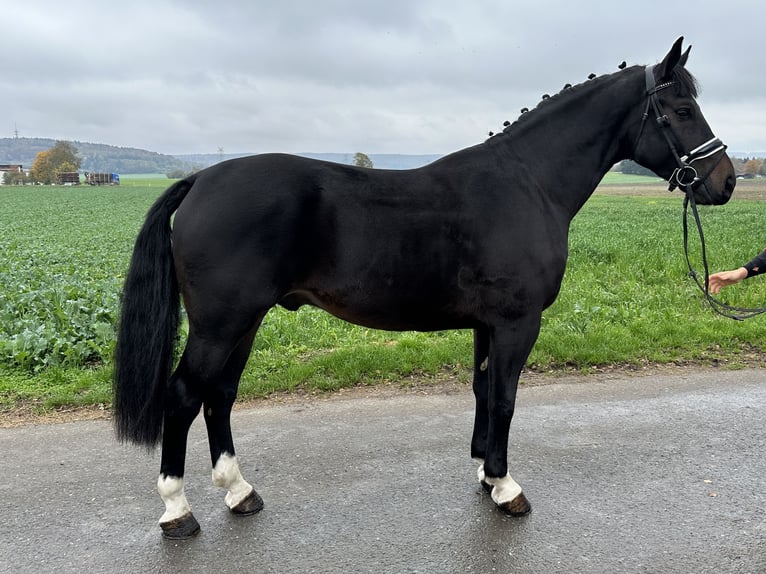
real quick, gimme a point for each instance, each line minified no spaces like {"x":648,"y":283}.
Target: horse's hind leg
{"x":182,"y":404}
{"x":241,"y":497}
{"x":208,"y":372}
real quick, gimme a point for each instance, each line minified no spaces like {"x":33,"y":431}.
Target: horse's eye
{"x":684,"y":113}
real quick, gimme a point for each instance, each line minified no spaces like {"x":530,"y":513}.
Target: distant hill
{"x":125,"y":160}
{"x":380,"y":160}
{"x":95,"y":157}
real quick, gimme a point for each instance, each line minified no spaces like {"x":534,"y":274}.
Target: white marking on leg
{"x":226,"y":475}
{"x":505,"y":489}
{"x":480,"y":471}
{"x":171,"y":491}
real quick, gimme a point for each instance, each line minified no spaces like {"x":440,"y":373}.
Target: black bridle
{"x":685,"y":174}
{"x":685,"y":177}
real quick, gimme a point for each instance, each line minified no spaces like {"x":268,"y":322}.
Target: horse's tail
{"x":148,"y":325}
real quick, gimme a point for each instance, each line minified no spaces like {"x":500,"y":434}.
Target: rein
{"x":724,"y":309}
{"x":685,"y":177}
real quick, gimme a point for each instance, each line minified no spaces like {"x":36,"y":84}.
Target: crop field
{"x":626,"y":298}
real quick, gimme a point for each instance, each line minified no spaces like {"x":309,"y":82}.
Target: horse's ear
{"x":685,"y":57}
{"x":673,"y":59}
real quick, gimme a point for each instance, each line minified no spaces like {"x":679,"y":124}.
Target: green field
{"x":626,"y":298}
{"x":144,"y":180}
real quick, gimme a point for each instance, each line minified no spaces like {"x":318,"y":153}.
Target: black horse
{"x":476,"y":240}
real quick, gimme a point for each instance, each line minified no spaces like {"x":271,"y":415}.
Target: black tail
{"x":148,"y":325}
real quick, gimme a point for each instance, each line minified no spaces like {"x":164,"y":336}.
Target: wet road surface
{"x":657,"y":474}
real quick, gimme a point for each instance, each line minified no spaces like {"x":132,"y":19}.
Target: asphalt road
{"x":658,"y":474}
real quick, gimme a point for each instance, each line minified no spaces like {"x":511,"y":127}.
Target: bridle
{"x":686,"y":177}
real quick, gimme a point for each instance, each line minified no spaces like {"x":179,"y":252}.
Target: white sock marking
{"x":504,"y":489}
{"x":171,"y":491}
{"x":226,"y":475}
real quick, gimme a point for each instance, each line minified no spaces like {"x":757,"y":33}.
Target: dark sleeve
{"x":757,"y":264}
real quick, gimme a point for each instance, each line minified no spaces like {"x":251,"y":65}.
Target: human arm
{"x":755,"y":266}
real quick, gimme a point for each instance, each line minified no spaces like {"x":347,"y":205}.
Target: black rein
{"x":729,"y":311}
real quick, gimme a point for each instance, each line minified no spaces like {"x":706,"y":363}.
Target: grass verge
{"x":626,"y":300}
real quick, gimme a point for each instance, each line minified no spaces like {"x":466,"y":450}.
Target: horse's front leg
{"x":181,"y":407}
{"x":480,"y":391}
{"x":510,"y":345}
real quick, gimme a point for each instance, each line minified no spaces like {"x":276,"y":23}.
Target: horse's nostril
{"x":729,"y":186}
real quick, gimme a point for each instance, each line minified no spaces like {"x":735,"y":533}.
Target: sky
{"x":394,"y":76}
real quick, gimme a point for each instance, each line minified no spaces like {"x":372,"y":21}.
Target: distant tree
{"x":762,"y":171}
{"x":176,"y":174}
{"x":739,"y":165}
{"x":62,"y":153}
{"x":42,"y":169}
{"x":362,"y":160}
{"x":632,"y":168}
{"x":62,"y":157}
{"x":181,"y":173}
{"x":752,"y":166}
{"x":65,"y":167}
{"x":14,"y":178}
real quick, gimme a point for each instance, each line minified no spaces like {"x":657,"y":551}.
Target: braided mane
{"x":684,"y":85}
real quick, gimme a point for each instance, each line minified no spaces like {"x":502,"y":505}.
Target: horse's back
{"x":279,"y":203}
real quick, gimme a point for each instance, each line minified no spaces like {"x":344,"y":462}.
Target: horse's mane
{"x":684,"y":85}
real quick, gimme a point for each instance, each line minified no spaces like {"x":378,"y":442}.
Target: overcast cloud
{"x":396,"y":76}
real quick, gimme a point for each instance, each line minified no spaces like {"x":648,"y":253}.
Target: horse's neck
{"x":574,"y":140}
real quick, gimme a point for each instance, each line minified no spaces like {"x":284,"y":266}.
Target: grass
{"x":145,"y":180}
{"x":626,"y":299}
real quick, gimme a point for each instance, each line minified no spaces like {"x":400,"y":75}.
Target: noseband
{"x":685,"y":176}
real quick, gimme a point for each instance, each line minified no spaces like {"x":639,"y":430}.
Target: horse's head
{"x":675,"y":141}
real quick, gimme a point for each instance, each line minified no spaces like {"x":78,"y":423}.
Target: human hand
{"x":723,"y":278}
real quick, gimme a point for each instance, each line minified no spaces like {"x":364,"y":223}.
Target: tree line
{"x":61,"y":158}
{"x":747,"y":167}
{"x":360,"y":160}
{"x":94,"y":157}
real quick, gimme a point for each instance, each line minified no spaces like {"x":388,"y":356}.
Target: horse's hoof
{"x":180,"y":528}
{"x":519,"y":506}
{"x":251,"y":504}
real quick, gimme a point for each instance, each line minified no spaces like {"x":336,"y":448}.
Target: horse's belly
{"x":383,"y":312}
